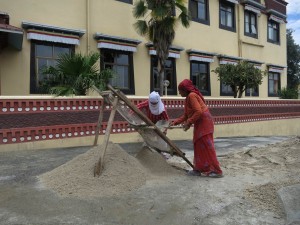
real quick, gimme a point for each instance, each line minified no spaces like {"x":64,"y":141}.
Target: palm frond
{"x":181,"y":7}
{"x":73,"y":74}
{"x":181,"y":2}
{"x":161,"y":12}
{"x":140,"y":9}
{"x":168,"y":25}
{"x":151,"y":4}
{"x":62,"y":91}
{"x":141,"y":27}
{"x":184,"y":19}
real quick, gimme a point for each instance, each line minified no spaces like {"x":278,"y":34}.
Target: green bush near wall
{"x":288,"y":93}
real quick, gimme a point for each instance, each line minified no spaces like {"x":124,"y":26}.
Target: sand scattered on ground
{"x":267,"y":169}
{"x":278,"y":165}
{"x":122,"y":172}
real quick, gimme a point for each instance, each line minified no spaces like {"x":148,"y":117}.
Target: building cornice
{"x":172,"y":47}
{"x":100,"y":36}
{"x":38,"y":26}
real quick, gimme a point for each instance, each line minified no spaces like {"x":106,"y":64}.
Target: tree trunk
{"x":241,"y":90}
{"x":235,"y":91}
{"x":161,"y":73}
{"x":240,"y":94}
{"x":161,"y":85}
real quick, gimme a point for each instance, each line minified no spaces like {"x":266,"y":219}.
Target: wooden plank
{"x":100,"y":118}
{"x":99,"y":166}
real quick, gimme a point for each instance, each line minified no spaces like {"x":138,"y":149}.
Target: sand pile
{"x":155,"y":164}
{"x":122,"y":173}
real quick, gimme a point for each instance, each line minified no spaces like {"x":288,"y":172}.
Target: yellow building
{"x":33,"y":33}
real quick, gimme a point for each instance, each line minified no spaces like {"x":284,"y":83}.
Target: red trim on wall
{"x":48,"y":105}
{"x":224,"y":112}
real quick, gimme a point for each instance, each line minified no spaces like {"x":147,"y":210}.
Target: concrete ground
{"x":181,"y":201}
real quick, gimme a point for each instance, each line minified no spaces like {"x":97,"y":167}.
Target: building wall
{"x":115,"y":18}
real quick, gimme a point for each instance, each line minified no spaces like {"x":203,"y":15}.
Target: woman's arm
{"x":196,"y":107}
{"x":143,"y":105}
{"x":179,"y":120}
{"x":164,"y":115}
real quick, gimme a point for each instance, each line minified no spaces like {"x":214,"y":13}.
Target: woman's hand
{"x":173,"y":123}
{"x":186,"y":126}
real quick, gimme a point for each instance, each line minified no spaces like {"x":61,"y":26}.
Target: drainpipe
{"x":87,"y":26}
{"x":240,"y":53}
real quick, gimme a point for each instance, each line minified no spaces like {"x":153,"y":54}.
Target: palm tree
{"x":74,"y":74}
{"x":159,"y":25}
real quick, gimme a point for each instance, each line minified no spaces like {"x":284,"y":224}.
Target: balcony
{"x":276,"y":7}
{"x":254,"y":3}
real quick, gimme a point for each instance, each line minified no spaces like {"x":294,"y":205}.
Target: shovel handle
{"x":174,"y":127}
{"x":152,"y":127}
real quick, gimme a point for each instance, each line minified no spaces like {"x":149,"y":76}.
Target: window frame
{"x":279,"y":84}
{"x":231,"y":93}
{"x":255,"y":92}
{"x":131,"y":89}
{"x":271,"y":22}
{"x":207,"y":64}
{"x":125,"y":1}
{"x":232,"y":6}
{"x":33,"y":66}
{"x":170,"y":90}
{"x":205,"y":21}
{"x":250,"y":34}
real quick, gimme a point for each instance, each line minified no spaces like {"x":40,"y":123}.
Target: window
{"x":274,"y":84}
{"x":126,"y":1}
{"x":43,"y":55}
{"x":170,"y":75}
{"x":273,"y":32}
{"x":200,"y":76}
{"x":199,"y":11}
{"x":226,"y":90}
{"x":227,"y":18}
{"x":250,"y":24}
{"x":252,"y":91}
{"x":122,"y":63}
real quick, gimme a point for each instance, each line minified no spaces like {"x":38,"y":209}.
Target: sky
{"x":293,"y":18}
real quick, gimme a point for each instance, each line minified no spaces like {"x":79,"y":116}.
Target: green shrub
{"x":288,"y":93}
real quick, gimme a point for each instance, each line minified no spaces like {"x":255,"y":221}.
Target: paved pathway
{"x":22,"y":201}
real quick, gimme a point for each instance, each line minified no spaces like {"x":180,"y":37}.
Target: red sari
{"x":205,"y":157}
{"x":197,"y":113}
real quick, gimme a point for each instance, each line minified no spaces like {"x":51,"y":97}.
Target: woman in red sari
{"x":196,"y":112}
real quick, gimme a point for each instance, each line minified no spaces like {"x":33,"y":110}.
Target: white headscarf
{"x":157,"y":108}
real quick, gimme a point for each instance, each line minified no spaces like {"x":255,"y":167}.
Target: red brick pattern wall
{"x":25,"y":120}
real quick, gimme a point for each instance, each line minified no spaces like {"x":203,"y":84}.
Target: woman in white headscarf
{"x":154,"y":108}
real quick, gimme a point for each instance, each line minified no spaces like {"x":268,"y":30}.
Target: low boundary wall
{"x":31,"y":119}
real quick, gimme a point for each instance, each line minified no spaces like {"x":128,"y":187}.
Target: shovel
{"x":164,"y":125}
